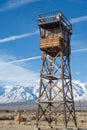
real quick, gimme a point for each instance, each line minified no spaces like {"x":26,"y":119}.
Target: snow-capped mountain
{"x":18,"y":93}
{"x":79,"y":90}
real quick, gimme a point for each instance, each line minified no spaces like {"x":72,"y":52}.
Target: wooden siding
{"x":53,"y":45}
{"x":49,"y":42}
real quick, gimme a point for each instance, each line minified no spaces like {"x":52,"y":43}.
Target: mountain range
{"x":17,"y":93}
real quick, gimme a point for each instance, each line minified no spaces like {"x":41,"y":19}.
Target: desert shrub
{"x":33,"y":118}
{"x":7,"y":118}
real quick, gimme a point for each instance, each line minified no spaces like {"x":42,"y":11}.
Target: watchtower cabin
{"x":55,"y":32}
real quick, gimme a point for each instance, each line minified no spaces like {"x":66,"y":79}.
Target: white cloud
{"x":79,"y":19}
{"x":12,"y":38}
{"x":26,"y":59}
{"x":38,"y":57}
{"x":11,"y":4}
{"x":15,"y":74}
{"x":12,"y":60}
{"x":79,"y":50}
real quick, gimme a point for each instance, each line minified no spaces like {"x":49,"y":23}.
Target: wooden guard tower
{"x":55,"y":92}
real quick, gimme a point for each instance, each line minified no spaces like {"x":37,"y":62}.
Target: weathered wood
{"x":45,"y":17}
{"x":55,"y":93}
{"x":50,"y":101}
{"x":53,"y":45}
{"x":49,"y":42}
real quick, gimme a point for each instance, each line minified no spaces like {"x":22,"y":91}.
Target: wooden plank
{"x":52,"y":45}
{"x":49,"y":42}
{"x":46,"y":17}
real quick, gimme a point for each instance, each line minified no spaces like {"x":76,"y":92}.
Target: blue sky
{"x":20,"y":60}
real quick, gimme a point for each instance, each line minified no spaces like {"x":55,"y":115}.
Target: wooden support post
{"x":19,"y":119}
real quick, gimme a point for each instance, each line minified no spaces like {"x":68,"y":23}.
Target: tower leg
{"x":55,"y":92}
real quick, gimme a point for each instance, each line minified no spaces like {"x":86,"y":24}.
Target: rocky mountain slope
{"x":29,"y":94}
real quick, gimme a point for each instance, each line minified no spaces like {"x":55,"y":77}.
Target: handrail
{"x":54,"y":16}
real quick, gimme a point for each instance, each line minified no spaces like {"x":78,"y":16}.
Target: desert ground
{"x":25,"y":119}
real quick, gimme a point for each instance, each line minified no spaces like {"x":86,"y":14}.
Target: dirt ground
{"x":27,"y":121}
{"x":16,"y":127}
